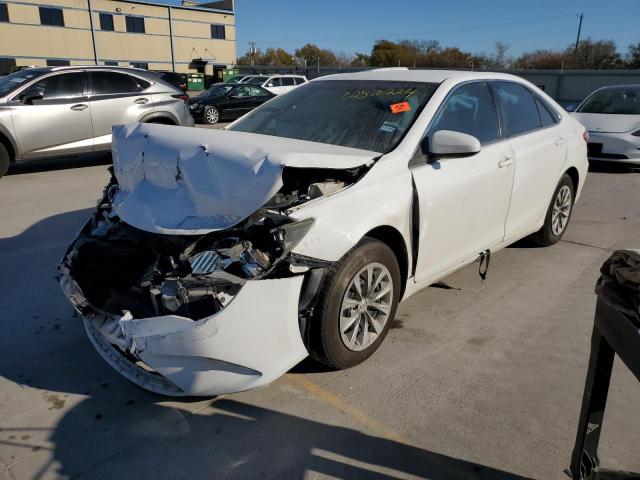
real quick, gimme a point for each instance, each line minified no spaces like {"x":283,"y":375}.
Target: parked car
{"x":277,"y":83}
{"x":227,"y":101}
{"x":219,"y":259}
{"x":178,"y":80}
{"x":57,"y":111}
{"x":238,"y":78}
{"x":612,"y":117}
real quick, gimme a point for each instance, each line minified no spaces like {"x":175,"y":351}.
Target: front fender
{"x":381,"y":198}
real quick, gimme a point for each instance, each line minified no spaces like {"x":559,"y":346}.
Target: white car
{"x":277,"y":83}
{"x":612,"y":117}
{"x":218,"y":259}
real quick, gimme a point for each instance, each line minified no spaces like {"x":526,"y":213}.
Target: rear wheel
{"x":558,"y":214}
{"x":356,"y":305}
{"x":211,"y":115}
{"x":5,"y":160}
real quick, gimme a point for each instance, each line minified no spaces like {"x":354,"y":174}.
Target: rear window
{"x":518,"y":108}
{"x":107,"y":83}
{"x":368,"y":115}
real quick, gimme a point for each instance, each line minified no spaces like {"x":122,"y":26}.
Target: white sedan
{"x":612,"y":117}
{"x":217,"y":260}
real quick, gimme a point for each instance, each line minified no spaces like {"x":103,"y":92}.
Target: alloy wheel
{"x":561,"y":210}
{"x":365,"y":306}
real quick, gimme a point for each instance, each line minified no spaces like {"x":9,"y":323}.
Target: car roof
{"x":427,"y":76}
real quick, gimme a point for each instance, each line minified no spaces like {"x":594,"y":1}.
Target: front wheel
{"x":356,"y":305}
{"x":211,"y":115}
{"x":558,"y":214}
{"x":5,"y":160}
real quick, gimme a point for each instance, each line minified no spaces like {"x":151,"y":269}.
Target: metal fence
{"x":565,"y":86}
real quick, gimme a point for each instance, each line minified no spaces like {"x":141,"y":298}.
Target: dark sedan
{"x":225,"y":101}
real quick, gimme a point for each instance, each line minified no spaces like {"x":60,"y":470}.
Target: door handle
{"x":506,"y":162}
{"x":141,"y":101}
{"x":560,"y":140}
{"x":79,"y":107}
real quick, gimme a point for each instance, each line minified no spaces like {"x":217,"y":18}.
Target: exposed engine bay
{"x":120,"y":268}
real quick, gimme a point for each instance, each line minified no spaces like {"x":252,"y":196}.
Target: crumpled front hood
{"x":608,"y":123}
{"x":191,"y":181}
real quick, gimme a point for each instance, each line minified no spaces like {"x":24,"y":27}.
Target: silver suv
{"x":57,"y":111}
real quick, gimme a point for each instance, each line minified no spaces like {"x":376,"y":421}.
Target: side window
{"x":545,"y":116}
{"x":60,"y":86}
{"x":471,"y":110}
{"x":257,"y":92}
{"x":287,"y":82}
{"x":243,"y":91}
{"x":518,"y":108}
{"x":108,"y":83}
{"x":274,"y":82}
{"x":300,"y":81}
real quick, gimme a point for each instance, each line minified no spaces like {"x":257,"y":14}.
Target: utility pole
{"x":575,"y":50}
{"x":252,"y":51}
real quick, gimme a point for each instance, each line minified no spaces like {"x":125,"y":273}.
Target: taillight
{"x":184,"y":97}
{"x":585,"y":136}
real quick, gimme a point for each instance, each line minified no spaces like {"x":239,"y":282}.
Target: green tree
{"x":601,"y":54}
{"x":541,"y":60}
{"x":312,"y":53}
{"x":633,"y":56}
{"x":385,"y":54}
{"x":361,"y":60}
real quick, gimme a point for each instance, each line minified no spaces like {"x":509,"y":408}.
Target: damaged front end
{"x":209,"y":313}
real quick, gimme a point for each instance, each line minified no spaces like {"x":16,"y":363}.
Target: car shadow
{"x":596,"y":166}
{"x":61,"y":163}
{"x":230,"y":439}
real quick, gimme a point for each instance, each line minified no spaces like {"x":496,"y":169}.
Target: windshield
{"x":11,"y":82}
{"x":368,"y":115}
{"x":218,"y":90}
{"x":257,"y":80}
{"x":619,"y":100}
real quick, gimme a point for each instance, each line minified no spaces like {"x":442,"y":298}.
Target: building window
{"x":139,"y":65}
{"x":7,"y":65}
{"x":51,"y":62}
{"x":217,"y":31}
{"x":51,"y":16}
{"x":135,"y":24}
{"x":106,"y":22}
{"x":110,"y":63}
{"x":4,"y":12}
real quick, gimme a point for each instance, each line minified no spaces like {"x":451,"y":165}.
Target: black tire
{"x":5,"y":160}
{"x":215,"y":115}
{"x":546,"y":236}
{"x":325,"y":343}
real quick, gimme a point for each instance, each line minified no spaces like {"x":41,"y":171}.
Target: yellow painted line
{"x":345,"y":407}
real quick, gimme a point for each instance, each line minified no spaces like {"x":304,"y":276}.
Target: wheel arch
{"x":165,"y":118}
{"x":574,"y":175}
{"x":391,"y":237}
{"x":8,"y":144}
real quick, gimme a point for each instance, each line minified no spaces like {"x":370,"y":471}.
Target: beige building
{"x":192,"y":37}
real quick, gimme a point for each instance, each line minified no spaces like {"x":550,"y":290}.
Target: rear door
{"x":288,"y":83}
{"x":274,"y":85}
{"x":540,"y":150}
{"x":116,"y":98}
{"x":463,"y":201}
{"x":59,"y":122}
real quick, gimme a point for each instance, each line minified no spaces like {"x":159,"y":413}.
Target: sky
{"x":351,"y":26}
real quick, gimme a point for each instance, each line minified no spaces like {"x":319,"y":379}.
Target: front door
{"x":240,"y":101}
{"x":463,"y":201}
{"x":58,"y":119}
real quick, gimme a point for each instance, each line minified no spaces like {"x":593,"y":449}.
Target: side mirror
{"x":447,"y":143}
{"x":570,"y":108}
{"x":29,"y":96}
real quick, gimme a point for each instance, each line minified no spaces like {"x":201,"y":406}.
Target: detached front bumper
{"x":250,"y":343}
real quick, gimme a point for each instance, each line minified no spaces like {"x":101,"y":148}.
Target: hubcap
{"x":561,"y":211}
{"x":366,"y":306}
{"x":212,"y":115}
